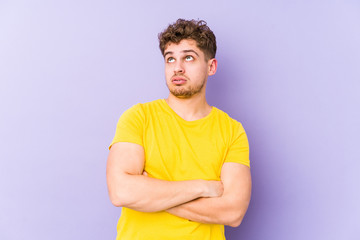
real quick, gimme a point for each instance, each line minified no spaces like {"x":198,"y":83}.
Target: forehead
{"x":185,"y":44}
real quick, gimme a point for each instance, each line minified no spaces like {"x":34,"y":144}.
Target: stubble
{"x":185,"y":91}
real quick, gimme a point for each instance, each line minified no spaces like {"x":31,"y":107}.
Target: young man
{"x":178,"y":167}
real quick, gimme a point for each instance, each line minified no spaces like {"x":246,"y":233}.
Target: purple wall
{"x":288,"y":70}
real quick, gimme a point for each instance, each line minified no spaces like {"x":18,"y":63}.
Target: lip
{"x":178,"y":80}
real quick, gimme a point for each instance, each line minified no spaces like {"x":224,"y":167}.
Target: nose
{"x":179,"y":68}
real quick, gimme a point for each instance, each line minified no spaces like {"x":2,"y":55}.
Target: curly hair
{"x":189,"y":29}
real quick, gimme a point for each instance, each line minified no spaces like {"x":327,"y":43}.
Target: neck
{"x":190,"y":109}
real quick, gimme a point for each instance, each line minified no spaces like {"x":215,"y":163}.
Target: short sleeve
{"x":239,"y":148}
{"x":130,"y":126}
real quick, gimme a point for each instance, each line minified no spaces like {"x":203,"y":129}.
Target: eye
{"x":170,"y":60}
{"x":189,"y":58}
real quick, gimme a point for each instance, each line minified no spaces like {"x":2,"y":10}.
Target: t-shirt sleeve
{"x":130,"y":126}
{"x":239,"y":148}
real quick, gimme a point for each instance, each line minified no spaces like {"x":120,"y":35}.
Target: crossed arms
{"x":220,"y":202}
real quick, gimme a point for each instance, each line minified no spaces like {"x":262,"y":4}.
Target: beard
{"x":185,"y":91}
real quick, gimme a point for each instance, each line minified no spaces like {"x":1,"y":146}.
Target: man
{"x":178,"y":167}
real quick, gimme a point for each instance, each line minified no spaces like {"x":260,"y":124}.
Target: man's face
{"x":186,"y":69}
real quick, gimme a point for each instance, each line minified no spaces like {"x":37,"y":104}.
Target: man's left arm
{"x":230,"y":208}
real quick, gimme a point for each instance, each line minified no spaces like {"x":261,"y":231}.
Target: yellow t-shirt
{"x":175,"y":150}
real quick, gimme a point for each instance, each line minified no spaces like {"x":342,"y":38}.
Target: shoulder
{"x":232,"y":128}
{"x":143,"y":108}
{"x":224,"y":118}
{"x":149,"y":106}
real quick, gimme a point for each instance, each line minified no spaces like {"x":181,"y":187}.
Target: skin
{"x":220,"y":202}
{"x":187,"y":61}
{"x":129,"y":187}
{"x":227,"y":209}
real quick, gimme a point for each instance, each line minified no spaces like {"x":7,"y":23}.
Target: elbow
{"x":119,"y":194}
{"x":236,"y":214}
{"x":235,"y":223}
{"x":234,"y":219}
{"x":118,"y":200}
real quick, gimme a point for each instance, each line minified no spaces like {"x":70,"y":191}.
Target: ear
{"x":212,"y":63}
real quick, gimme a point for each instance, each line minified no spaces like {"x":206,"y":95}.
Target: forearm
{"x":218,"y":210}
{"x":129,"y":187}
{"x":228,"y":209}
{"x":147,"y":194}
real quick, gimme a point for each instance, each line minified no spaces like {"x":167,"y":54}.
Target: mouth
{"x":178,"y":80}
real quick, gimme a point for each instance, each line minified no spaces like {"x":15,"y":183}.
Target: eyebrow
{"x":184,"y":51}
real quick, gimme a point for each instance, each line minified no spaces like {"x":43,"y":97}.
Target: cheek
{"x":199,"y":72}
{"x":168,"y":73}
{"x":167,"y":70}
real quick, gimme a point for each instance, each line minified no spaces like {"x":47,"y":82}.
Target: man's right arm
{"x":128,"y":187}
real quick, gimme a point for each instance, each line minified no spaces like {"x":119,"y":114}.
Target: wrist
{"x":203,"y":188}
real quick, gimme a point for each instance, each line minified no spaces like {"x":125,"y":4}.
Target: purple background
{"x":288,"y":70}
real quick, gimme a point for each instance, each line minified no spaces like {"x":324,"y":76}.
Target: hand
{"x":213,"y":189}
